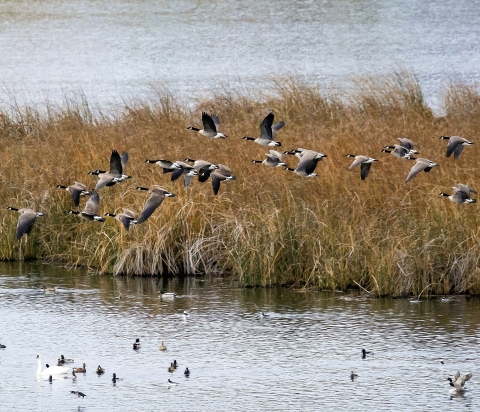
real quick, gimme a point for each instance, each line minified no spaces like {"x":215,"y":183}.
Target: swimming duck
{"x":78,"y":393}
{"x":162,"y":347}
{"x":48,"y":289}
{"x":353,"y":376}
{"x":186,"y":373}
{"x":171,"y":383}
{"x":171,"y":368}
{"x":100,"y":370}
{"x":115,"y":379}
{"x":168,"y":294}
{"x":50,"y":379}
{"x":136,"y":344}
{"x":81,"y":370}
{"x":264,"y":315}
{"x":365,"y":353}
{"x":2,"y":346}
{"x":63,"y":359}
{"x":175,"y":364}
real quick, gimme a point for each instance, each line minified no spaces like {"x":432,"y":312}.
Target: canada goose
{"x":203,"y":168}
{"x":223,"y":174}
{"x":25,"y":221}
{"x":99,"y":370}
{"x":90,"y":210}
{"x":116,"y":173}
{"x":136,"y":344}
{"x":182,"y":168}
{"x":78,"y":393}
{"x":162,"y":347}
{"x":171,"y":383}
{"x":364,"y":162}
{"x":211,"y":125}
{"x":115,"y":379}
{"x":365,"y":353}
{"x":461,"y":194}
{"x":455,"y":145}
{"x":266,"y":133}
{"x":404,"y":149}
{"x":187,"y":372}
{"x":157,"y":194}
{"x":276,"y":127}
{"x":82,"y":369}
{"x":175,"y":364}
{"x":74,"y":374}
{"x":420,"y":164}
{"x":166,"y":165}
{"x":48,"y":289}
{"x":76,"y":190}
{"x":458,"y":381}
{"x":397,"y":151}
{"x":308,"y":162}
{"x":171,"y":368}
{"x":274,"y":159}
{"x":353,"y":376}
{"x":125,"y":218}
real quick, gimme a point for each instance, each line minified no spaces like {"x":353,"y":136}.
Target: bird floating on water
{"x":136,"y":344}
{"x":100,"y":370}
{"x":82,"y":369}
{"x":353,"y":376}
{"x":54,"y":370}
{"x":162,"y":347}
{"x":171,"y":383}
{"x":187,"y":372}
{"x":115,"y":379}
{"x":365,"y":353}
{"x":78,"y":393}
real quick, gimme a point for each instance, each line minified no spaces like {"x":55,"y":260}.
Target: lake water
{"x":298,"y":358}
{"x":116,"y":50}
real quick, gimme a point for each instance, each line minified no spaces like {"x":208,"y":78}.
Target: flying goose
{"x":455,"y":145}
{"x":76,"y":190}
{"x":125,"y":218}
{"x":157,"y":194}
{"x":274,"y":159}
{"x":166,"y":165}
{"x":461,"y":194}
{"x":116,"y":174}
{"x":266,"y":133}
{"x":420,"y":164}
{"x":211,"y":125}
{"x":90,"y":210}
{"x":364,"y":162}
{"x":25,"y":221}
{"x":182,"y":168}
{"x":276,"y":127}
{"x":203,"y":168}
{"x":223,"y":174}
{"x":168,"y":295}
{"x":49,"y":289}
{"x":308,"y":162}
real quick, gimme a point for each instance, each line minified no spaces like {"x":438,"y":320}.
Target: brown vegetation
{"x":269,"y":226}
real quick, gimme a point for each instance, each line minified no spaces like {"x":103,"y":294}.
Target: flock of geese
{"x":204,"y":170}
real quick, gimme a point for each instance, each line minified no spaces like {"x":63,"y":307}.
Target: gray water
{"x":114,"y":50}
{"x":299,"y":358}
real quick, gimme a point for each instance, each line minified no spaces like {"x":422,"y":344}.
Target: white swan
{"x":52,"y":370}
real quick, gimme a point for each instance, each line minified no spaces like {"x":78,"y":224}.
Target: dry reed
{"x":269,"y":227}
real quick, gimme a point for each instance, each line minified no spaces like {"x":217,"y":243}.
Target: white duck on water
{"x":52,"y":370}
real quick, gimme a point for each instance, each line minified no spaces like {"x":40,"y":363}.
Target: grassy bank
{"x":269,"y":226}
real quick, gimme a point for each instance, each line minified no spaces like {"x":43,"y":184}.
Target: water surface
{"x":300,"y":357}
{"x":115,"y":50}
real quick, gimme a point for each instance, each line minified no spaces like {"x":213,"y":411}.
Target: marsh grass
{"x":269,"y":227}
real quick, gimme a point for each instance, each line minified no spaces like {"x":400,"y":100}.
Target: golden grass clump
{"x":269,"y":227}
